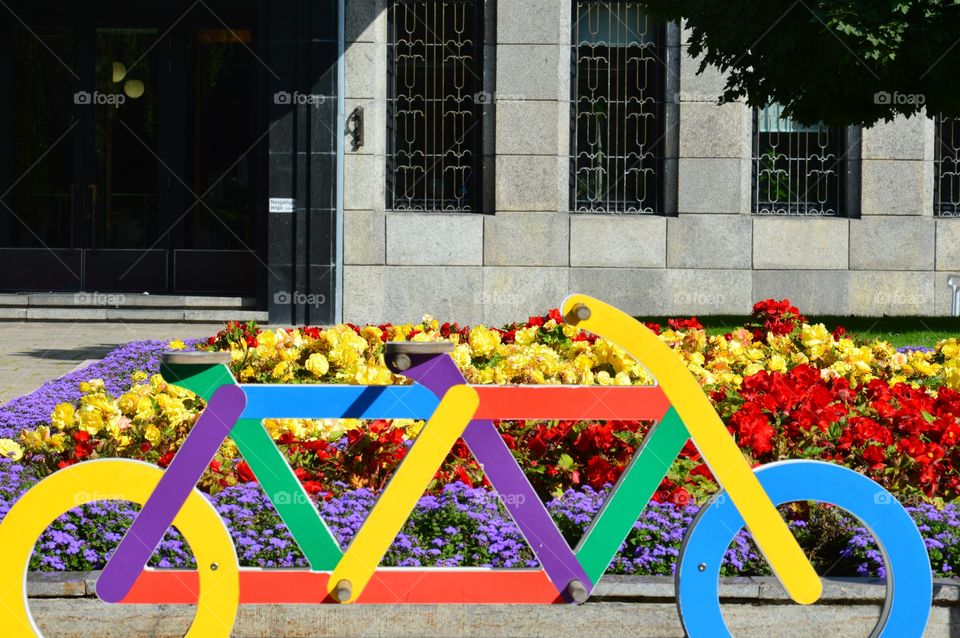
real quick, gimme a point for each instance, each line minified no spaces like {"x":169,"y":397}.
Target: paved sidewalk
{"x":33,"y":352}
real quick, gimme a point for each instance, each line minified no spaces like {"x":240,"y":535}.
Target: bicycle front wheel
{"x":123,"y":480}
{"x":909,"y":578}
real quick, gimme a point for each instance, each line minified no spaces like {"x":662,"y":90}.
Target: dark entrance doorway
{"x":132,"y":142}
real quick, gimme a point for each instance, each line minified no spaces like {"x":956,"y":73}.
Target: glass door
{"x":38,"y":220}
{"x":217,"y":242}
{"x":132,"y":149}
{"x":128,"y":251}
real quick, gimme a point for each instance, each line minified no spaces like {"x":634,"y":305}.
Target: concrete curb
{"x":64,"y":604}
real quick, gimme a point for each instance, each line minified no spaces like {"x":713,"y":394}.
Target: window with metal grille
{"x":618,"y":86}
{"x":797,"y":169}
{"x":946,"y":157}
{"x":435,"y":98}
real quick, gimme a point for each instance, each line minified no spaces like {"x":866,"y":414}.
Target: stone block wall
{"x":526,"y":250}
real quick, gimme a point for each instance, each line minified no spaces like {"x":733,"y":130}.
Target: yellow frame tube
{"x":712,"y":439}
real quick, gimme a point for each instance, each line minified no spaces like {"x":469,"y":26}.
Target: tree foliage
{"x":835,"y":61}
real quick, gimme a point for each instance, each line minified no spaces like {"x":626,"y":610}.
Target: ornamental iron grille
{"x":617,"y":136}
{"x":434,"y":102}
{"x":797,"y":169}
{"x":947,"y":159}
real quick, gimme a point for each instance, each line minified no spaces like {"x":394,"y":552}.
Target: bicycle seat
{"x":195,"y":358}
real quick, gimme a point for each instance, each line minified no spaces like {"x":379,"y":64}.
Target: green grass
{"x":899,"y":331}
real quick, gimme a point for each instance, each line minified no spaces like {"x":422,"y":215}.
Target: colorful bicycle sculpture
{"x":455,"y":409}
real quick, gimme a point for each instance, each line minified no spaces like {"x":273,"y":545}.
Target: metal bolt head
{"x":576,"y":592}
{"x":214,"y":567}
{"x":580,"y":312}
{"x":702,"y":567}
{"x":401,"y":362}
{"x":343,"y":591}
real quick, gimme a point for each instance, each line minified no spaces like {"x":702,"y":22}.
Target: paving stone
{"x":34,"y":352}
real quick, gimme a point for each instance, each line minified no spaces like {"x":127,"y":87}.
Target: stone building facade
{"x":311,"y":161}
{"x":706,"y":251}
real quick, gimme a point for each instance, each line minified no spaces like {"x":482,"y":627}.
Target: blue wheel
{"x":909,"y":578}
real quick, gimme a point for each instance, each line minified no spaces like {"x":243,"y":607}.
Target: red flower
{"x":554,"y":314}
{"x":165,"y":460}
{"x":654,"y":327}
{"x":81,"y":437}
{"x":600,"y":472}
{"x":685,"y":324}
{"x":753,"y":428}
{"x":145,"y":447}
{"x":312,"y":487}
{"x":462,"y":476}
{"x":82,"y":450}
{"x":244,"y":473}
{"x":874,"y":456}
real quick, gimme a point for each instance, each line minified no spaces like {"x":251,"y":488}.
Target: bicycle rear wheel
{"x":124,"y":480}
{"x":909,"y":578}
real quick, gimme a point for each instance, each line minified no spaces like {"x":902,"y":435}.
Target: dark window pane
{"x":618,"y":83}
{"x":435,"y":105}
{"x":42,"y":99}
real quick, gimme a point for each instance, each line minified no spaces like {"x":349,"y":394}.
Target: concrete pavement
{"x":33,"y":352}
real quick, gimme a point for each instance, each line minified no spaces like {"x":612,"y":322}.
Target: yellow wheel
{"x":125,"y":480}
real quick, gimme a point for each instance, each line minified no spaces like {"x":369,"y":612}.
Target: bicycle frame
{"x":453,"y":409}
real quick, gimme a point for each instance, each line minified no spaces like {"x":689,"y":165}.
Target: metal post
{"x":954,"y":282}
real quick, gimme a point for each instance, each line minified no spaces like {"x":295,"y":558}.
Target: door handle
{"x":355,"y":128}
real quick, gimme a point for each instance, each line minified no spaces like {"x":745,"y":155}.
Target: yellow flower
{"x":11,"y":449}
{"x":91,"y":419}
{"x":93,"y":385}
{"x":816,"y":339}
{"x":777,"y":363}
{"x":461,"y":356}
{"x":484,"y":341}
{"x":138,"y":376}
{"x":173,"y":409}
{"x":62,"y":416}
{"x":526,"y":336}
{"x":153,"y":434}
{"x":176,"y":344}
{"x":128,"y":403}
{"x":317,"y":364}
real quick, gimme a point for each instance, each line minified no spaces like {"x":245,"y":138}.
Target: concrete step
{"x":96,"y":306}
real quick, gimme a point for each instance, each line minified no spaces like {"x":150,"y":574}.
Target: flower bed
{"x":785,"y":388}
{"x":467,"y":527}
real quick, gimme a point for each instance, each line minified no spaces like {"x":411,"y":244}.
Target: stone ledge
{"x":852,"y":615}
